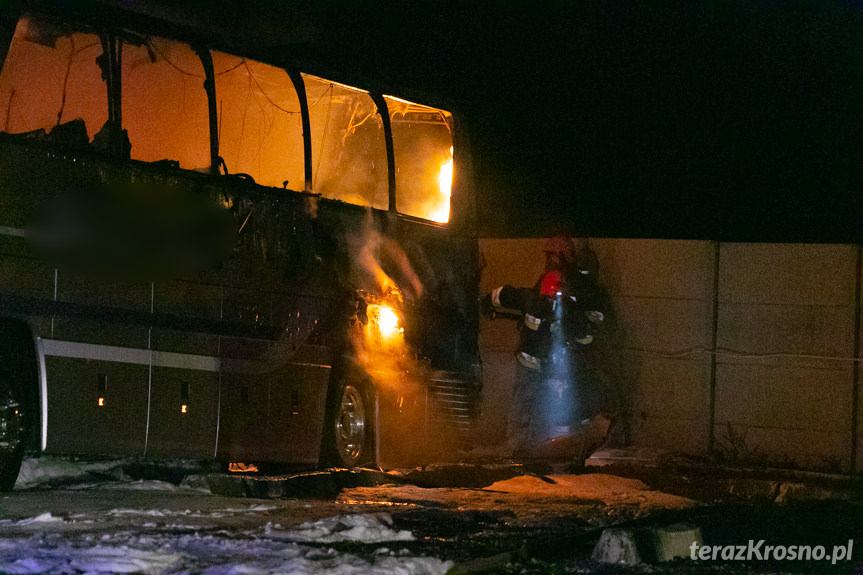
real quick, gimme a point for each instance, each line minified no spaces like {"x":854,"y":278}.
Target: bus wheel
{"x":12,"y":435}
{"x":351,"y":428}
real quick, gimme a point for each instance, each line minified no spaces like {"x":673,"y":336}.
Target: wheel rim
{"x":11,"y":423}
{"x":351,"y":425}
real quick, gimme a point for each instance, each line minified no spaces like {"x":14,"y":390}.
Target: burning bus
{"x":209,"y":254}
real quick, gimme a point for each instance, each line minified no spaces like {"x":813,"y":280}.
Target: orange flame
{"x":384,"y":323}
{"x":380,"y":343}
{"x":441,"y":212}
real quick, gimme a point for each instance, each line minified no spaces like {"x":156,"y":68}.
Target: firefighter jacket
{"x":545,"y":320}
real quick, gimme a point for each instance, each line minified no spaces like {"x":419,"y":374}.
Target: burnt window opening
{"x":260,"y":124}
{"x":423,"y":149}
{"x":110,"y":92}
{"x":349,"y":158}
{"x":51,"y":87}
{"x":146,"y":98}
{"x":164,"y":104}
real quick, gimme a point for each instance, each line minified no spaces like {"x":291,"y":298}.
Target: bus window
{"x":260,"y":124}
{"x":349,"y":157}
{"x":422,"y":142}
{"x":164,"y":103}
{"x":50,"y":78}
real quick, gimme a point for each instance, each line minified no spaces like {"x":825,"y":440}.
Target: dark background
{"x":736,"y":121}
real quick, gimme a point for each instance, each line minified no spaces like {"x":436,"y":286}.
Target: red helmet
{"x":551,"y":283}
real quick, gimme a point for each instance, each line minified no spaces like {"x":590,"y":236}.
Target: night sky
{"x":616,"y":120}
{"x":612,"y":118}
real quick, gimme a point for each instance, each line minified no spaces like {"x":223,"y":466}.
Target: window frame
{"x":204,"y":51}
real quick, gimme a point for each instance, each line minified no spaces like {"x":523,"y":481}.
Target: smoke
{"x":378,"y":335}
{"x":412,"y":428}
{"x":380,"y":265}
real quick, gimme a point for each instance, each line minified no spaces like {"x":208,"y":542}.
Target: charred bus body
{"x":204,"y":255}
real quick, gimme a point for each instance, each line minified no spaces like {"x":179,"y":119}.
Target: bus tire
{"x":13,"y":433}
{"x":19,"y":398}
{"x":349,"y":438}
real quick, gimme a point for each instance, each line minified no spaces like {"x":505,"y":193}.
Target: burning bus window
{"x":422,"y":141}
{"x":164,"y":104}
{"x":51,"y":77}
{"x":260,"y":125}
{"x":349,"y":158}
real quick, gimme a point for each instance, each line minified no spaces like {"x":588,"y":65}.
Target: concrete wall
{"x":746,"y":351}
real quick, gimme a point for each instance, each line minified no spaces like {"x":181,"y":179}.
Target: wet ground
{"x":476,"y":518}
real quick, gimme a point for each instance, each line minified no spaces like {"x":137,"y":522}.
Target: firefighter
{"x":595,"y":391}
{"x":553,"y":322}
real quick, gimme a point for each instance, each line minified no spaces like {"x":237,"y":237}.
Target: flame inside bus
{"x":441,"y":213}
{"x":381,"y":347}
{"x":384,"y":324}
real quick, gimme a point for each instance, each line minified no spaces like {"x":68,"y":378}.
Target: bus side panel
{"x":184,"y":343}
{"x":184,"y":410}
{"x":243,"y":416}
{"x":26,"y":289}
{"x":104,"y":312}
{"x":185,"y":369}
{"x":273,"y":416}
{"x":189,"y":302}
{"x":77,"y":423}
{"x":297,"y":403}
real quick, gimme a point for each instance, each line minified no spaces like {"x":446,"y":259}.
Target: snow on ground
{"x":72,"y":473}
{"x":44,"y":471}
{"x":39,"y":545}
{"x":367,"y":528}
{"x":207,"y":554}
{"x":224,"y":537}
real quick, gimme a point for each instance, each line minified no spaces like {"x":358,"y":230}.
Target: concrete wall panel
{"x":858,"y":468}
{"x":675,"y":269}
{"x":782,"y":447}
{"x":664,"y":325}
{"x":796,"y":274}
{"x":766,"y":329}
{"x":517,"y":262}
{"x":498,"y":369}
{"x":672,"y":388}
{"x":785,"y":344}
{"x":783,"y":397}
{"x":500,"y":334}
{"x":686,"y":436}
{"x":668,"y":393}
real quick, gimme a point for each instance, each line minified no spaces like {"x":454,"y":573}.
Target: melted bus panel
{"x":196,"y":245}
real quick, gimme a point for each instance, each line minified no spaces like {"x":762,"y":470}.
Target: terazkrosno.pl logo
{"x":760,"y":551}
